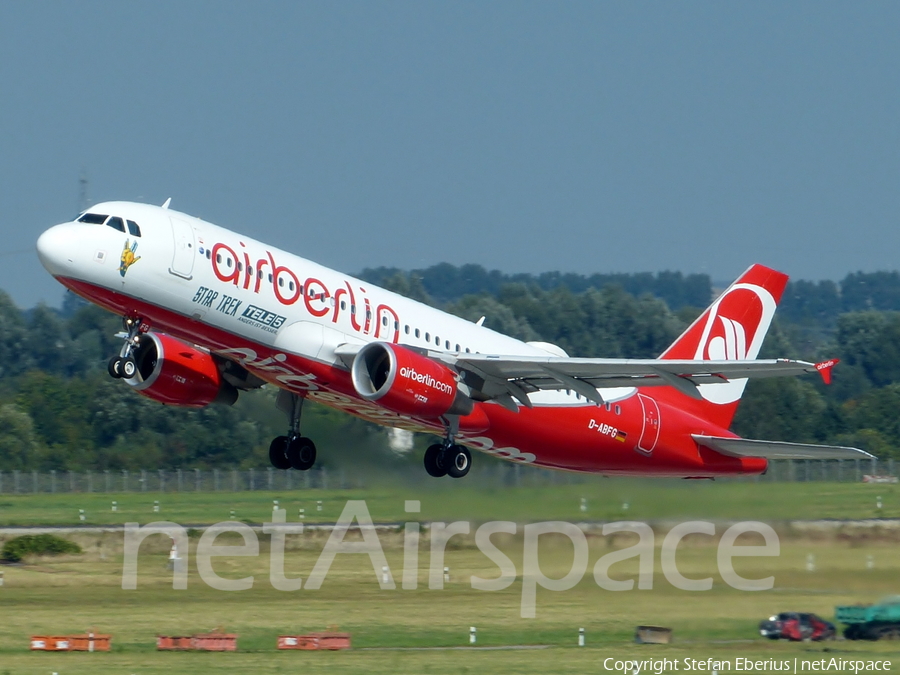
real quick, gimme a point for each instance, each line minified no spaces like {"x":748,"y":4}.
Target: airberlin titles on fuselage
{"x":318,"y":299}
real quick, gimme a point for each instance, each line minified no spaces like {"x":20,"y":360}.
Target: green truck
{"x":880,"y":621}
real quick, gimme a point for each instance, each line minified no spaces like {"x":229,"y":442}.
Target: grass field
{"x":451,"y":500}
{"x":424,"y":630}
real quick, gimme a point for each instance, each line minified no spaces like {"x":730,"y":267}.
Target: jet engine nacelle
{"x":406,"y":382}
{"x":173,"y":372}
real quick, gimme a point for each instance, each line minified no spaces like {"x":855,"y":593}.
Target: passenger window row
{"x":437,"y":340}
{"x":229,"y":262}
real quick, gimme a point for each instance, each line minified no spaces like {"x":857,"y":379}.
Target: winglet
{"x":167,"y":202}
{"x":824,"y":368}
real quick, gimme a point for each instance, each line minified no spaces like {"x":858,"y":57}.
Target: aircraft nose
{"x":54,"y":248}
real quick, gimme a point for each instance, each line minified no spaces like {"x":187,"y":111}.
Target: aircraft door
{"x":650,"y":430}
{"x":183,"y":256}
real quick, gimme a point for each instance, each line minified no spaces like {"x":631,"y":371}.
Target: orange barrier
{"x":215,"y":642}
{"x":88,"y":642}
{"x":200,"y":642}
{"x":326,"y":640}
{"x":169,"y":643}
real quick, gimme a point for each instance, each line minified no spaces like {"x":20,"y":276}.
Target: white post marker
{"x":115,"y":506}
{"x":581,"y":637}
{"x":447,"y":574}
{"x":319,"y":505}
{"x":302,"y":514}
{"x":870,"y":562}
{"x":810,"y":563}
{"x":81,"y":515}
{"x":173,"y":555}
{"x":472,"y":632}
{"x":232,"y":514}
{"x":384,"y":575}
{"x":274,"y":504}
{"x":878,"y":502}
{"x":583,"y":506}
{"x":156,"y":506}
{"x":625,"y":506}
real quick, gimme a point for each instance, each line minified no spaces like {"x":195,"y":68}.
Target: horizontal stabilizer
{"x":745,"y":447}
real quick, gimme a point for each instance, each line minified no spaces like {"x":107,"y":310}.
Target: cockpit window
{"x":134,"y":229}
{"x":116,"y":223}
{"x":93,"y":219}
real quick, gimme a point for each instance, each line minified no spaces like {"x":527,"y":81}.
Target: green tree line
{"x":60,"y":410}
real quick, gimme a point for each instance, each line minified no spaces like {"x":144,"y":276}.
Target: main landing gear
{"x":123,"y":365}
{"x":292,"y":451}
{"x":448,"y":458}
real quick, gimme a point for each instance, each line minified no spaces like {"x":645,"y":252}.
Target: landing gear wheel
{"x":114,"y":367}
{"x":278,"y":453}
{"x":128,"y":368}
{"x":459,"y":461}
{"x":301,"y":453}
{"x":435,"y":461}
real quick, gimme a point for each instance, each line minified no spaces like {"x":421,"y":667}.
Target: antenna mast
{"x":83,"y":191}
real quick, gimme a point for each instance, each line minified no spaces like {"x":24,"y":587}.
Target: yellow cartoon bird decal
{"x":128,"y":257}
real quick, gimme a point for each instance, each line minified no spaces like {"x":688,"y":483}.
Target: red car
{"x":797,"y":626}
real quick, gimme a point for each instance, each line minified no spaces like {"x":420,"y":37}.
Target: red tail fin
{"x":732,"y":328}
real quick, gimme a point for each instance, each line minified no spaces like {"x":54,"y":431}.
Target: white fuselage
{"x":296,"y":324}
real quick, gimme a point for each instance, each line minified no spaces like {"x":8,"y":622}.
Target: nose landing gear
{"x":124,"y":365}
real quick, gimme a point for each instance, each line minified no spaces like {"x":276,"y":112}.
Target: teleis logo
{"x":427,"y":380}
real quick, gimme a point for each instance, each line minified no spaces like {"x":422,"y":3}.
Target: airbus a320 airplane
{"x":208,"y":312}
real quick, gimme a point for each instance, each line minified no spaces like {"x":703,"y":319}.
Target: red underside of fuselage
{"x":558,"y":437}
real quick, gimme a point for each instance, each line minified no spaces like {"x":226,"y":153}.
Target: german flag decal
{"x":621,"y":436}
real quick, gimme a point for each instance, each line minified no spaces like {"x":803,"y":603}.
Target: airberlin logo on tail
{"x":427,"y":380}
{"x":735,"y":327}
{"x":731,"y":345}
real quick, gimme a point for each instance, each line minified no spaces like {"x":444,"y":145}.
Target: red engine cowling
{"x":407,"y":383}
{"x":173,"y":372}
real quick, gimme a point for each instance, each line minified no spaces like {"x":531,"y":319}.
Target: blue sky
{"x":574,"y":136}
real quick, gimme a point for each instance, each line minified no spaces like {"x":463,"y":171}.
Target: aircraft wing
{"x":497,"y":376}
{"x":745,"y":447}
{"x":504,"y":378}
